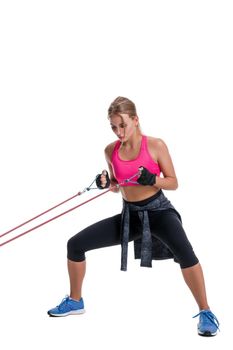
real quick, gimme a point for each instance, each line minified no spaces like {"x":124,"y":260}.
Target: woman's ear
{"x":136,"y":120}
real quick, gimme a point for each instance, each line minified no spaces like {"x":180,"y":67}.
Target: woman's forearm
{"x":166,"y":183}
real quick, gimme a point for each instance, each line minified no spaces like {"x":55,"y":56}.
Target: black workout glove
{"x":98,"y":180}
{"x":146,"y":178}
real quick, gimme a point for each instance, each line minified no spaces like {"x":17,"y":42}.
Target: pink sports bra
{"x":124,"y":169}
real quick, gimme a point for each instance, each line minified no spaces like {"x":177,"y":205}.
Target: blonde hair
{"x":122,"y":105}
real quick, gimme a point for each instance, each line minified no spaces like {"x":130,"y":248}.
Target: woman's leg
{"x":194,"y":278}
{"x":168,"y":228}
{"x":76,"y":274}
{"x":101,"y":234}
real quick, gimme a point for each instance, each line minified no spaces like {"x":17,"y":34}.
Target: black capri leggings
{"x":165,"y":225}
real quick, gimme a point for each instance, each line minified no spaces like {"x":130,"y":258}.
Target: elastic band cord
{"x":53,"y":218}
{"x":50,"y":209}
{"x":129,"y":180}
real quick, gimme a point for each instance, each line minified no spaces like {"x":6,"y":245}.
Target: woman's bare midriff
{"x":138,"y":193}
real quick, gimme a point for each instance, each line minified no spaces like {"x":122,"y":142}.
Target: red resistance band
{"x":63,"y":213}
{"x":53,"y":218}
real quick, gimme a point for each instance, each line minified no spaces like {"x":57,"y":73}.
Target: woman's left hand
{"x":146,"y":178}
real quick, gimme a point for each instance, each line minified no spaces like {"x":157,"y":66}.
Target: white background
{"x":61,"y":64}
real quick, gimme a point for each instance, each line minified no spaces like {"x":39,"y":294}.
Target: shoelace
{"x":63,"y":303}
{"x":210,"y":316}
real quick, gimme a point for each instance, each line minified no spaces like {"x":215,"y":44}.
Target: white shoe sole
{"x":207,"y":334}
{"x":74,"y":312}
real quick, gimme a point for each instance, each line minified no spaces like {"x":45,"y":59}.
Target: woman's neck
{"x":133,"y":141}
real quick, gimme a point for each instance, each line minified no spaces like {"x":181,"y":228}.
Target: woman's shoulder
{"x":155,"y":142}
{"x":109,"y":149}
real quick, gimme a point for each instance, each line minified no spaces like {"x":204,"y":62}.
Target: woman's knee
{"x":188,"y":261}
{"x":178,"y":242}
{"x":75,"y":251}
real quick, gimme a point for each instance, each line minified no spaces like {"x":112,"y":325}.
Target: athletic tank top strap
{"x":116,"y":147}
{"x":144,"y":141}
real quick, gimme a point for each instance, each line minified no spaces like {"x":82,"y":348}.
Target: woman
{"x":148,"y":218}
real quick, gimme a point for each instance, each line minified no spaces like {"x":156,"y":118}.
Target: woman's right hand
{"x":102,"y":180}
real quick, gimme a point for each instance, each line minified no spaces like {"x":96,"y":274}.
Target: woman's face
{"x":123,"y":126}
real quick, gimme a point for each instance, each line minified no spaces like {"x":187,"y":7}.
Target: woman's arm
{"x":169,"y":179}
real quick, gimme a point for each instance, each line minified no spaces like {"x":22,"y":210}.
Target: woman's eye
{"x":121,"y":126}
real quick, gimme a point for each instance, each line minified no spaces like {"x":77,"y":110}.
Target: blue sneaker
{"x":208,"y":324}
{"x":67,"y":307}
